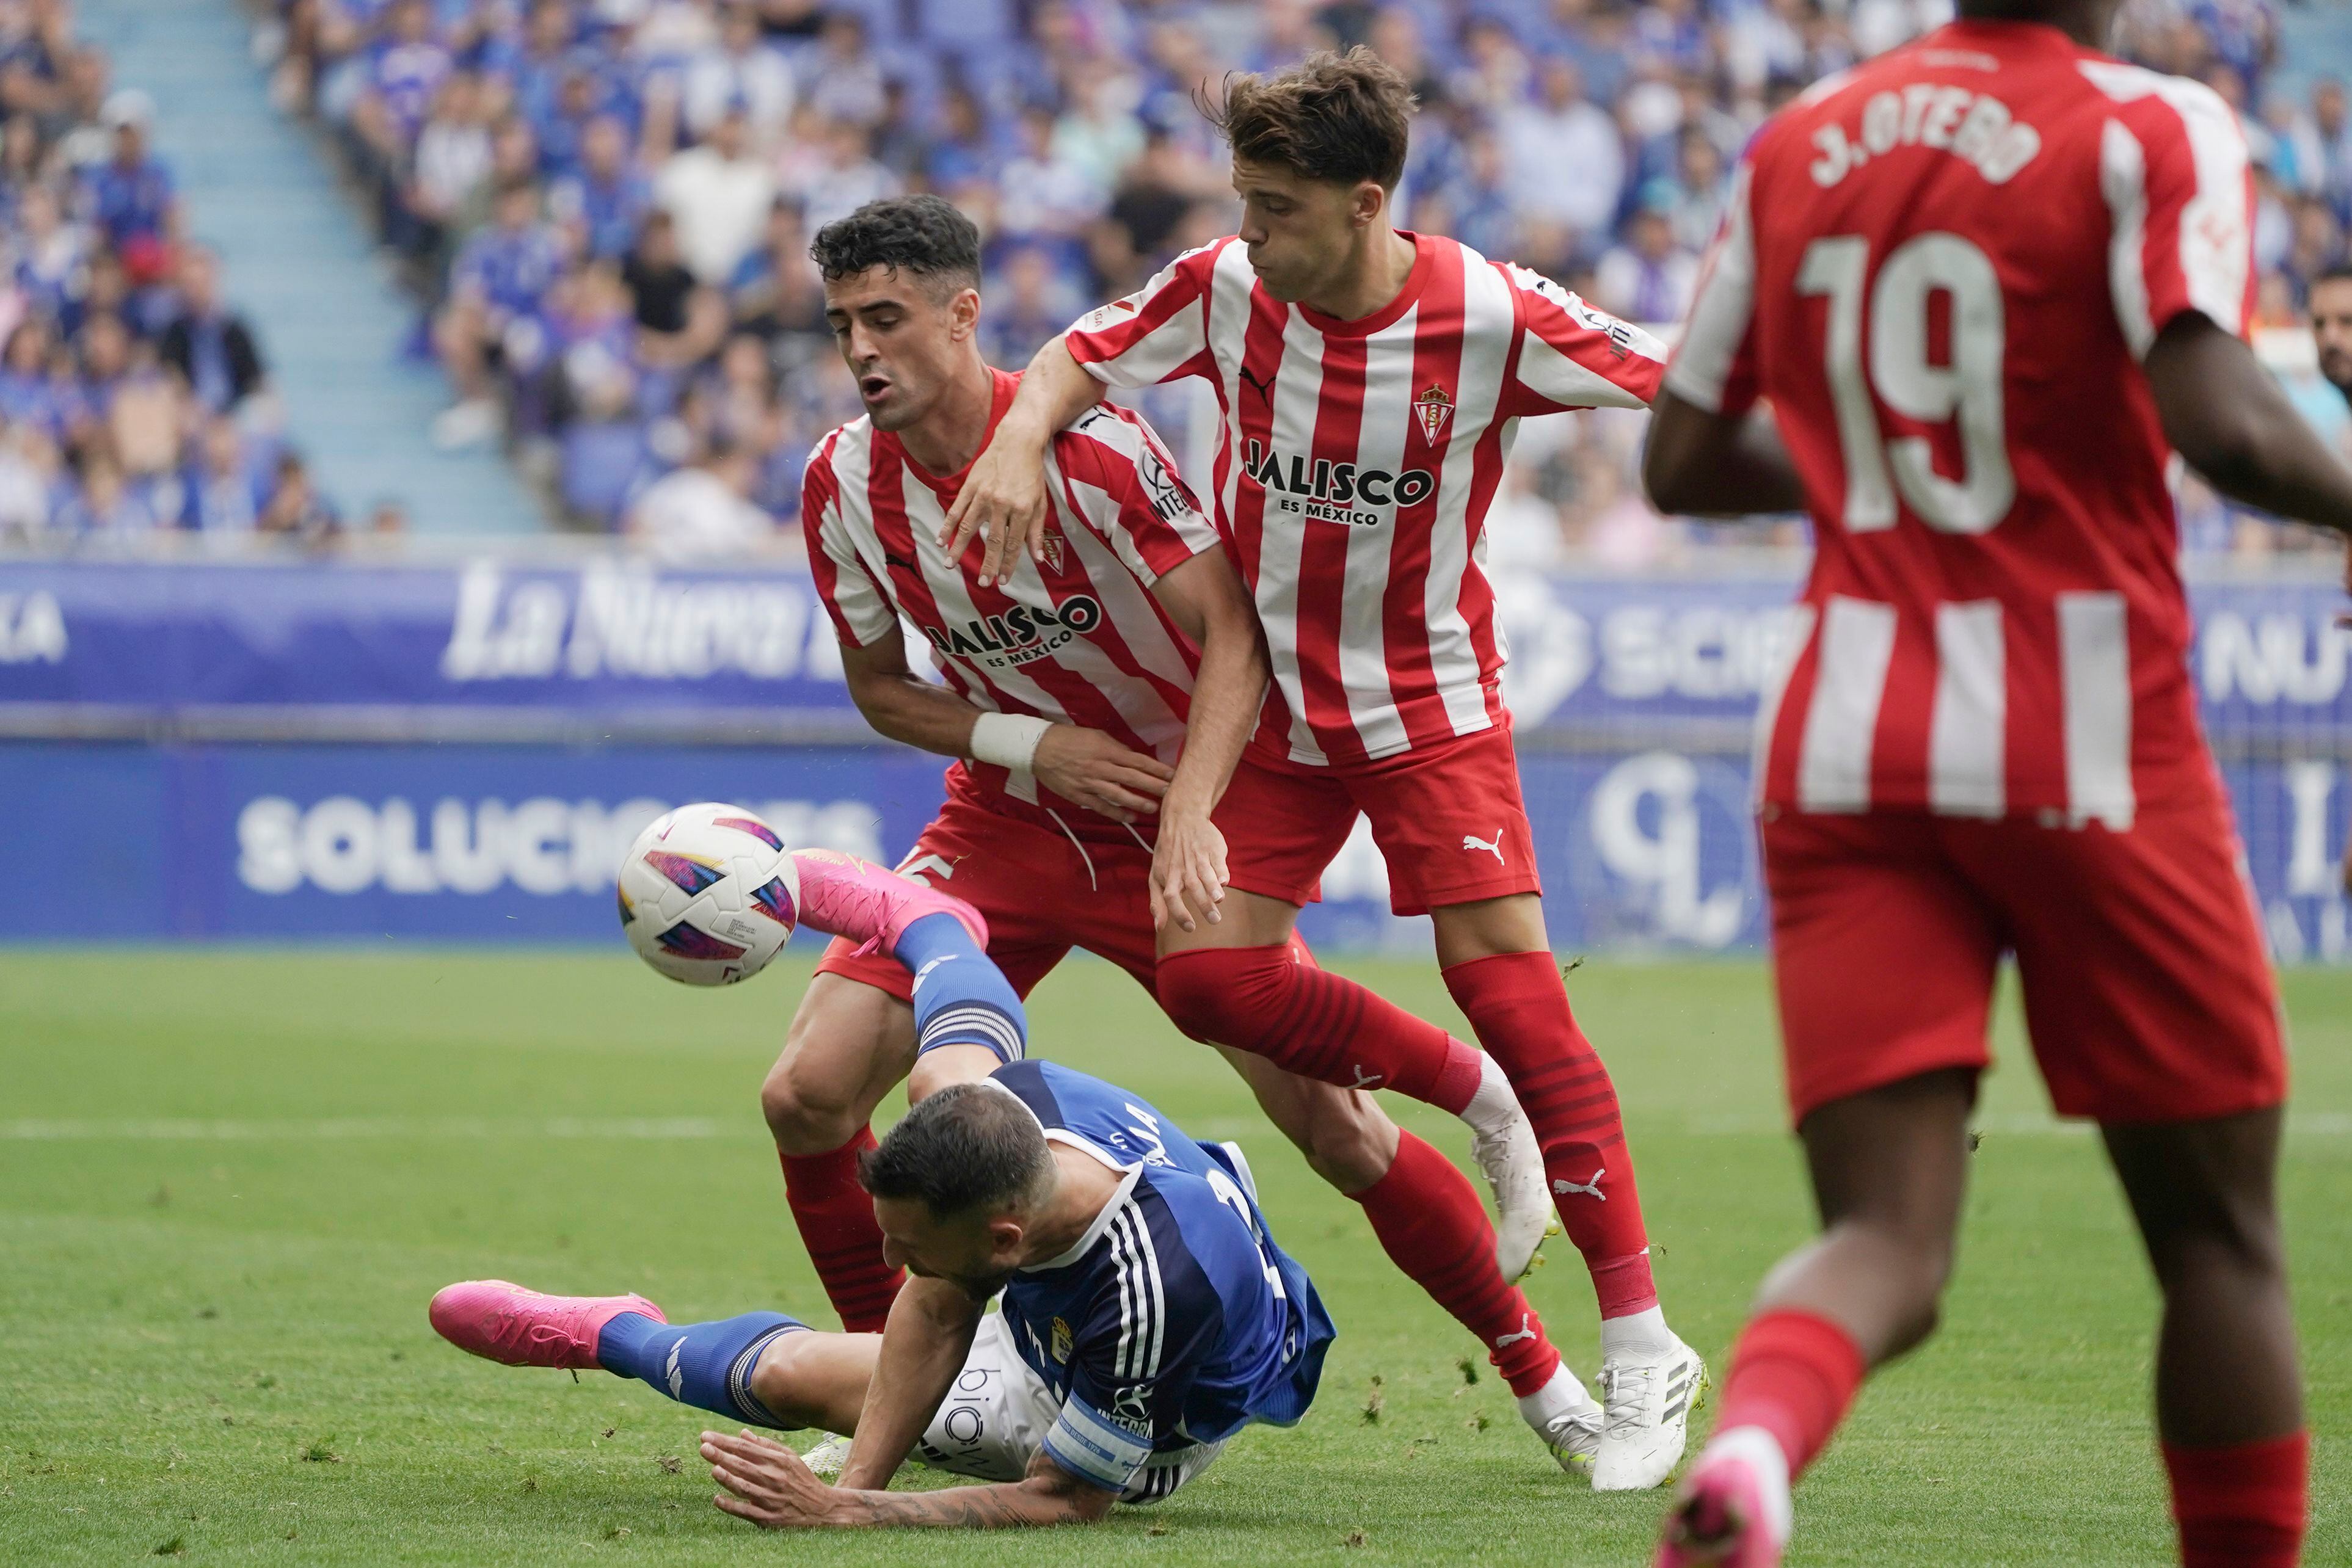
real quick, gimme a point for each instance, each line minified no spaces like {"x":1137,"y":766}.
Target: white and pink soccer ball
{"x":708,"y":894}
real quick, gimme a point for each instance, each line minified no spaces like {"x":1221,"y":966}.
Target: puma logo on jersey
{"x":1589,"y":1188}
{"x":1365,"y":1080}
{"x":1492,"y":846}
{"x":1265,"y":390}
{"x":1527,"y":1331}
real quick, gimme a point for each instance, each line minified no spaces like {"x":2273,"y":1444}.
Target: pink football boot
{"x":505,"y":1322}
{"x":857,"y":899}
{"x":1732,"y":1509}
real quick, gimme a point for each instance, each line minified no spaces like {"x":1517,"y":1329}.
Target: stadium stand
{"x":600,"y":212}
{"x":605,"y":206}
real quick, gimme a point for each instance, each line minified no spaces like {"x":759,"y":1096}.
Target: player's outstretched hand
{"x":1188,"y":871}
{"x":1004,"y":501}
{"x":766,"y":1482}
{"x":1099,"y":773}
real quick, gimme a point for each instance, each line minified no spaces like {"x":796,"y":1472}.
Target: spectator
{"x":218,"y":491}
{"x":52,"y":258}
{"x":1026,"y":307}
{"x":451,"y":166}
{"x":740,"y":68}
{"x":1565,"y":160}
{"x":703,"y":509}
{"x":106,"y":506}
{"x":601,"y":205}
{"x":719,"y":196}
{"x":678,"y":318}
{"x":1650,"y":277}
{"x":1042,"y":193}
{"x":131,"y":197}
{"x":28,"y":482}
{"x":2331,"y":325}
{"x":208,"y":345}
{"x":845,"y":177}
{"x":496,"y":287}
{"x":843,"y":81}
{"x":295,"y":509}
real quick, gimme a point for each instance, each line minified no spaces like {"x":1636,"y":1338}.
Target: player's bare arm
{"x":767,"y":1484}
{"x":923,"y":1347}
{"x":1702,"y":465}
{"x":1003,"y":496}
{"x":1078,"y":764}
{"x":1206,"y":600}
{"x":2229,"y":419}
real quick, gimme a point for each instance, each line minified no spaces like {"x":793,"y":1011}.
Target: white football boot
{"x":1504,"y":1144}
{"x":1648,"y":1399}
{"x":1567,"y":1419}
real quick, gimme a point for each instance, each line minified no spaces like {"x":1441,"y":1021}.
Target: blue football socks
{"x":961,"y":997}
{"x":707,"y":1366}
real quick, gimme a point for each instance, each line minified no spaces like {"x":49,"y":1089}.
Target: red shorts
{"x":2148,"y":996}
{"x":1042,"y":891}
{"x":1449,"y":821}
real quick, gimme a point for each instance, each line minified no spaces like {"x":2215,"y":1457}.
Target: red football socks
{"x":1792,"y":1373}
{"x":2242,"y":1506}
{"x":1519,"y":1008}
{"x":1431,"y":1226}
{"x":836,"y":1223}
{"x":1310,"y":1022}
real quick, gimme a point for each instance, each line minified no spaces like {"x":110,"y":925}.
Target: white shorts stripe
{"x":2095,"y":677}
{"x":1967,"y":735}
{"x":1857,"y":642}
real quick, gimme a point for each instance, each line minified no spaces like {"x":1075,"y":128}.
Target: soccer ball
{"x":708,"y":894}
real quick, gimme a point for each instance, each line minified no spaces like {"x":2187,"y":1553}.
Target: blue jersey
{"x":1175,"y":1320}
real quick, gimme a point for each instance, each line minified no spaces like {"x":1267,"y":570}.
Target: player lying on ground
{"x":1145,"y":1314}
{"x":1129,"y":646}
{"x":1984,"y":282}
{"x":1371,"y":381}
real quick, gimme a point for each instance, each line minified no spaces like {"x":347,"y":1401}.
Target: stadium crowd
{"x":605,"y":207}
{"x":133,"y":399}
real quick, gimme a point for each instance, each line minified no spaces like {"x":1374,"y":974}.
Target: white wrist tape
{"x":1008,"y":739}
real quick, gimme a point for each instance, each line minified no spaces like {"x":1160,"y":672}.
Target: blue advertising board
{"x":497,"y":650}
{"x":460,"y":754}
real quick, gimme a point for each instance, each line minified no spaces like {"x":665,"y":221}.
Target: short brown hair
{"x":1342,"y":118}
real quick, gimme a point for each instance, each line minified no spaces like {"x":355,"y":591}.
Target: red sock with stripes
{"x":1517,"y":1005}
{"x":1431,"y":1224}
{"x":2242,"y":1506}
{"x":1312,"y":1022}
{"x":836,"y":1223}
{"x":1794,"y":1374}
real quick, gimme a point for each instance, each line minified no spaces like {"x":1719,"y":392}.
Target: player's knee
{"x":1213,"y":995}
{"x":1347,"y":1147}
{"x":803,"y":1119}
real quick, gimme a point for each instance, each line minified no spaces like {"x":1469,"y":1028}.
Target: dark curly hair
{"x":920,"y":234}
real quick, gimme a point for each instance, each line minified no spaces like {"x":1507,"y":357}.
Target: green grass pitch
{"x":229,"y":1183}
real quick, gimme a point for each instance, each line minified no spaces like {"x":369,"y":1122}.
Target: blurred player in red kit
{"x":1371,"y":381}
{"x":1986,"y":283}
{"x":1097,"y":700}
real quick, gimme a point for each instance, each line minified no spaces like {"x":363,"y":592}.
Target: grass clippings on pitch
{"x":229,"y":1183}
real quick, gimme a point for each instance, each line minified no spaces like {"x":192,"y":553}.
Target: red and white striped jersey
{"x":1943,"y":269}
{"x":1080,"y":640}
{"x":1358,"y":462}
